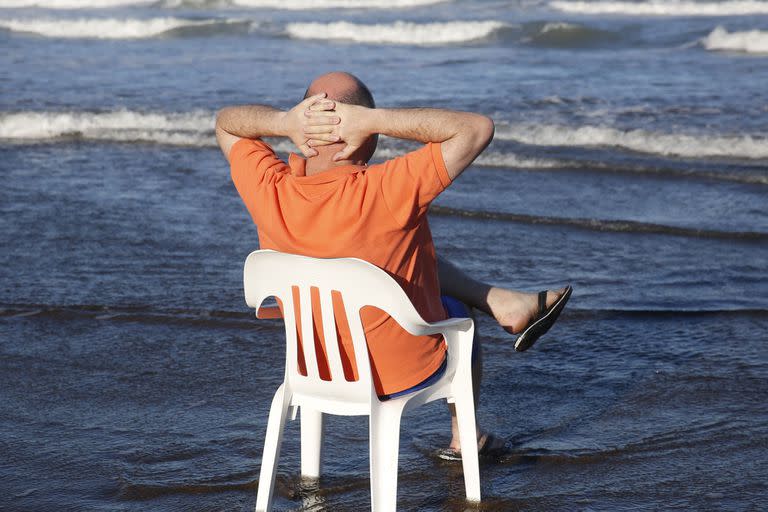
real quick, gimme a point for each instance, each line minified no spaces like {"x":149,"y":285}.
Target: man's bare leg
{"x":512,"y":309}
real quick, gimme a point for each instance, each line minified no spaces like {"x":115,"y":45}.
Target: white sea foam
{"x":73,"y":4}
{"x":752,"y":41}
{"x":392,"y":148}
{"x":185,"y":129}
{"x":102,"y":28}
{"x":669,"y":144}
{"x":514,"y":161}
{"x":399,"y":32}
{"x":334,"y":4}
{"x":106,"y":28}
{"x":665,"y":7}
{"x":293,"y":5}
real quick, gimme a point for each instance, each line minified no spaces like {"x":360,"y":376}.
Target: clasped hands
{"x":317,"y":121}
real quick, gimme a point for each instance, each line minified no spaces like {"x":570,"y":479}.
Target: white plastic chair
{"x":270,"y":273}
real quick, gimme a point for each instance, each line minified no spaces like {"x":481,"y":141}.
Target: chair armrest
{"x":460,"y":324}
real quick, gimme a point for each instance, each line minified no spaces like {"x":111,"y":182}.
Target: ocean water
{"x":630,"y":160}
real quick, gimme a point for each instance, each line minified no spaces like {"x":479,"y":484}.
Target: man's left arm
{"x":256,"y":121}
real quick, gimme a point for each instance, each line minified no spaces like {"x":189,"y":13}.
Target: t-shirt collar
{"x":298,"y":166}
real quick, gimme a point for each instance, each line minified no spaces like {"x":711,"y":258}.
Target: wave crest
{"x":188,"y":129}
{"x":641,"y":141}
{"x":566,"y":35}
{"x":664,"y":8}
{"x":333,"y":4}
{"x":73,"y":4}
{"x":111,"y":28}
{"x":291,"y":5}
{"x":399,"y":32}
{"x":752,"y":41}
{"x":193,"y":129}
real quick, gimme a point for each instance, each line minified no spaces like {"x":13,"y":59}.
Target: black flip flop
{"x":543,"y":320}
{"x":486,"y":451}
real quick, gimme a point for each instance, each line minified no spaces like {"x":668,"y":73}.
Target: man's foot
{"x":488,"y":445}
{"x":516,"y":310}
{"x":544,"y":319}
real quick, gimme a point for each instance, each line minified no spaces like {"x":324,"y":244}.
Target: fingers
{"x":324,"y":128}
{"x":307,"y":151}
{"x":330,"y":138}
{"x":318,"y":142}
{"x":308,"y":148}
{"x":322,"y":105}
{"x":306,"y":102}
{"x":345,"y":153}
{"x":320,"y":113}
{"x":328,"y":119}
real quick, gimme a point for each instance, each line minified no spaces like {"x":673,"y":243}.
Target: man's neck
{"x":323,"y":161}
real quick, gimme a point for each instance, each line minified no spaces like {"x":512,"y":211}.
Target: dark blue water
{"x":630,"y":159}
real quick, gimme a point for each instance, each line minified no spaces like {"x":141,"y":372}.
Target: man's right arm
{"x":463,"y":135}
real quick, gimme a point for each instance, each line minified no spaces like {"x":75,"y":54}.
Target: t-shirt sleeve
{"x":251,"y":163}
{"x":411,"y":182}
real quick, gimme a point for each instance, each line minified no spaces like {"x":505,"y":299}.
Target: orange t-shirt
{"x":377,"y":213}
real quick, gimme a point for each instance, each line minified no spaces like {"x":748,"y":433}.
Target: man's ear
{"x":366,"y":151}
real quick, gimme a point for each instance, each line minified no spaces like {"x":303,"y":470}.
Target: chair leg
{"x":278,"y":413}
{"x":385,"y":449}
{"x":465,"y":416}
{"x":311,"y":441}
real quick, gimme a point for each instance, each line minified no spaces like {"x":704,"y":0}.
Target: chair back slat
{"x":308,"y":332}
{"x":330,"y":335}
{"x":285,"y":294}
{"x":359,"y":343}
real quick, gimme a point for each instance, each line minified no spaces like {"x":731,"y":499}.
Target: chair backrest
{"x":269,"y":273}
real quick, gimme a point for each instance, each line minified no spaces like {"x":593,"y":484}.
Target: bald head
{"x":343,"y":87}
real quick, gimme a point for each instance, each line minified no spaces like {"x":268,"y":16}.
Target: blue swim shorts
{"x":455,"y":309}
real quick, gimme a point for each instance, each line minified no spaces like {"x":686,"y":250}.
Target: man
{"x":333,"y":204}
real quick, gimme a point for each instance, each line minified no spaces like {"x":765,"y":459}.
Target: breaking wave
{"x":74,"y":4}
{"x":333,"y":4}
{"x":641,"y":141}
{"x":399,"y":32}
{"x":293,"y":5}
{"x":187,"y":129}
{"x":752,"y":41}
{"x":562,"y":34}
{"x":511,"y":160}
{"x":665,"y":8}
{"x":392,"y":148}
{"x":113,"y":28}
{"x":191,"y":129}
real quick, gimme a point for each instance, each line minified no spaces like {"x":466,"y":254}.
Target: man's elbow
{"x":480,"y":130}
{"x":220,"y":119}
{"x":484,"y":130}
